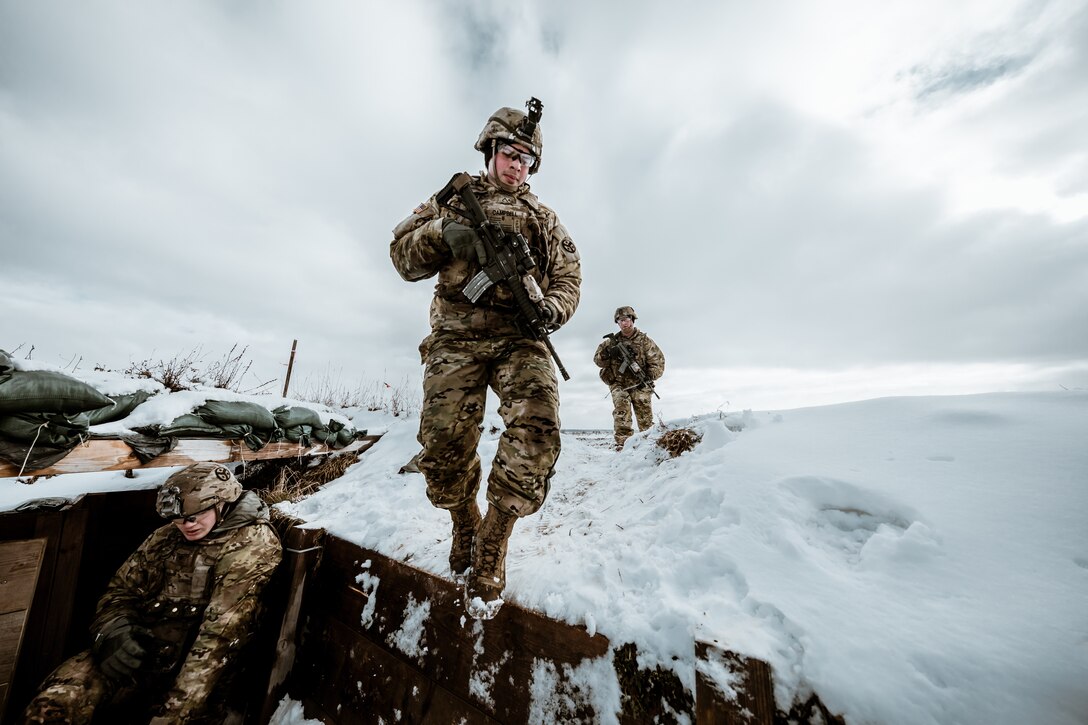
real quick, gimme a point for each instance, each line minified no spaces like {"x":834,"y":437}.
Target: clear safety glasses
{"x":512,"y":154}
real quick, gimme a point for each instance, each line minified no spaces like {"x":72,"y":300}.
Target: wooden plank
{"x":56,"y":594}
{"x":301,"y":551}
{"x":11,"y":633}
{"x":20,"y":562}
{"x":488,"y":664}
{"x":751,"y":700}
{"x":103,"y":454}
{"x":19,"y":565}
{"x":355,"y":682}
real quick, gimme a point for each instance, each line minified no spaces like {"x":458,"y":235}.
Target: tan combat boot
{"x":483,"y":593}
{"x":466,"y":520}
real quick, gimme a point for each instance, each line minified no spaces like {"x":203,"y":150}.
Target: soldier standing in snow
{"x":176,"y":613}
{"x":474,"y":346}
{"x":630,"y":362}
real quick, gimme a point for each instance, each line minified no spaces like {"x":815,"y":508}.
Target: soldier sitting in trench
{"x":175,"y":615}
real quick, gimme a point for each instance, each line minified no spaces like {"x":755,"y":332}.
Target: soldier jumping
{"x":483,"y":335}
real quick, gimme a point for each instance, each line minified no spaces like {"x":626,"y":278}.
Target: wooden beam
{"x":20,"y":562}
{"x":108,"y":454}
{"x":350,"y":680}
{"x":751,"y":699}
{"x":301,"y":552}
{"x":454,"y":665}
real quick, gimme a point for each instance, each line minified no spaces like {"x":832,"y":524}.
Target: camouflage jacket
{"x":200,"y":599}
{"x":419,"y":252}
{"x":646,"y":353}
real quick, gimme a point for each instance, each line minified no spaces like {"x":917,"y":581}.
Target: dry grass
{"x":678,"y":440}
{"x":292,"y":484}
{"x":329,"y":389}
{"x":186,"y":370}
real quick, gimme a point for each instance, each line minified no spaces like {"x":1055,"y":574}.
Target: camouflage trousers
{"x":79,"y":693}
{"x":622,"y":402}
{"x":456,"y":378}
{"x":71,"y":694}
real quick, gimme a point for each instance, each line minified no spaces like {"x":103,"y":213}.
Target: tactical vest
{"x":174,"y":617}
{"x":514,"y":214}
{"x":611,"y":374}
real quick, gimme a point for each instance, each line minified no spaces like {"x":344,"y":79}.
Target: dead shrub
{"x":176,"y":374}
{"x":294,"y":482}
{"x":678,"y":440}
{"x":229,"y":372}
{"x":186,"y":370}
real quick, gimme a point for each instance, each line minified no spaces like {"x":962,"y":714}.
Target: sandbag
{"x":30,"y":459}
{"x":224,"y":412}
{"x":295,"y":415}
{"x":301,"y":434}
{"x":148,"y":447}
{"x":328,"y":434}
{"x":49,"y":429}
{"x":297,"y":423}
{"x":44,"y":391}
{"x":189,"y":426}
{"x":336,"y":434}
{"x":122,"y":406}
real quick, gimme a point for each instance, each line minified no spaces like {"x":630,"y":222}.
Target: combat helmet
{"x":625,"y":311}
{"x":514,"y":126}
{"x":197,"y":488}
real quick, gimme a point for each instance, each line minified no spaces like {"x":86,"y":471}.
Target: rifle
{"x":504,"y":259}
{"x":628,"y":361}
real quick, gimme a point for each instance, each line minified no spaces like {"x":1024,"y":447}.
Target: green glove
{"x":120,"y":649}
{"x":463,"y":242}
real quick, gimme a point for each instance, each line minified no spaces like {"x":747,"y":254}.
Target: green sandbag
{"x":122,"y":406}
{"x":296,"y":415}
{"x":191,"y":426}
{"x":223,"y":412}
{"x":44,"y":391}
{"x":324,"y":435}
{"x":336,"y":435}
{"x":301,"y":434}
{"x":6,"y":365}
{"x":47,"y":429}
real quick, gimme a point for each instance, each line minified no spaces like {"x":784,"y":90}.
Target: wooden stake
{"x":290,"y":364}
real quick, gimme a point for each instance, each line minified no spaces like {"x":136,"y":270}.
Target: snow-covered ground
{"x":912,"y":560}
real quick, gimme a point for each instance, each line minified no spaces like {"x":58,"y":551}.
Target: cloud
{"x":967,"y":77}
{"x":811,"y":190}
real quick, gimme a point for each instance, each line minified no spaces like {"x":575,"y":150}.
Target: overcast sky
{"x":804,"y":202}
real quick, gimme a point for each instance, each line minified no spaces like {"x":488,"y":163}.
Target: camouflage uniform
{"x":475,"y":346}
{"x":625,"y":388}
{"x":200,"y":601}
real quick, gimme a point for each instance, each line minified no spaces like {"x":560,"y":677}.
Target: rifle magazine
{"x":477,"y":286}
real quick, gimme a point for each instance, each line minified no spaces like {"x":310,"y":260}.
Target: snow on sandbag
{"x":121,"y":407}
